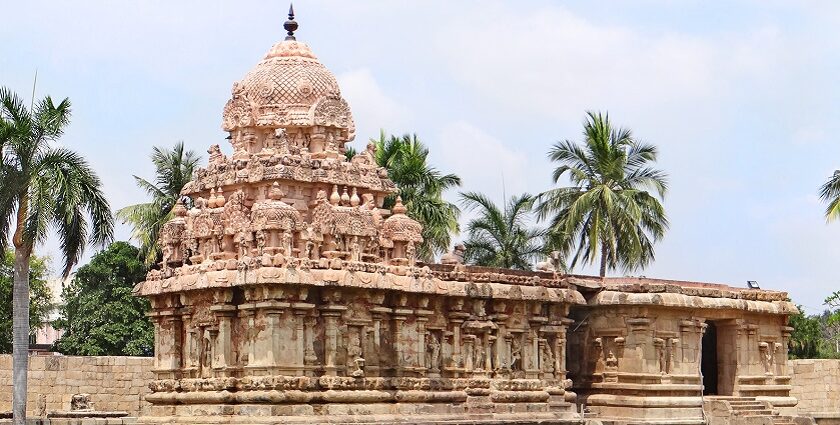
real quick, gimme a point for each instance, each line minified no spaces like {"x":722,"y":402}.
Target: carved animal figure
{"x":456,"y":256}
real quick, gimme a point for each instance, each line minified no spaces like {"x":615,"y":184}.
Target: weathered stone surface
{"x":816,"y":384}
{"x":54,"y":380}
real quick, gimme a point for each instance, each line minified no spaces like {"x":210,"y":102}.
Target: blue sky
{"x":741,"y":97}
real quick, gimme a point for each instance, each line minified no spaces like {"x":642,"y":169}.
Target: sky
{"x":742,"y":99}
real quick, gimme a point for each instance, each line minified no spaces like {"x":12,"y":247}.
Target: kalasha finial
{"x":290,"y":26}
{"x":399,"y":208}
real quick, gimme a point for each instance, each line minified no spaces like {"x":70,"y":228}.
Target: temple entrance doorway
{"x":709,"y":360}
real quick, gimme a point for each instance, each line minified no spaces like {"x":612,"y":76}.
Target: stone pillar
{"x":153,"y":316}
{"x":502,"y":342}
{"x":193,"y":346}
{"x":379,"y":357}
{"x":400,"y":315}
{"x":469,"y":340}
{"x":488,"y":353}
{"x":331,"y":313}
{"x":300,"y":311}
{"x":456,"y":319}
{"x":249,"y":335}
{"x":223,"y":349}
{"x":310,"y":359}
{"x":640,"y":342}
{"x":422,"y":317}
{"x":187,"y":360}
{"x":532,"y":370}
{"x":170,"y":343}
{"x":268,"y":341}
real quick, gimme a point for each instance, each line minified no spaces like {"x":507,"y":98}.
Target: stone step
{"x":747,"y":405}
{"x":756,"y":412}
{"x":737,"y":402}
{"x":729,"y":398}
{"x":784,"y":420}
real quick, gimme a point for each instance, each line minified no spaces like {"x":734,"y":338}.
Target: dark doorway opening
{"x":709,"y":363}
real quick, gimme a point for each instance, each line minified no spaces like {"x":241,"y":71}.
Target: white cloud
{"x":484,"y":163}
{"x":557,"y":64}
{"x":372,"y":108}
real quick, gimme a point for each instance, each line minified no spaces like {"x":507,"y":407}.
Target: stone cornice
{"x":414,"y":280}
{"x":689,"y":298}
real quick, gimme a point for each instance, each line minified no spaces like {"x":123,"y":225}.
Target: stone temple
{"x":287,"y":294}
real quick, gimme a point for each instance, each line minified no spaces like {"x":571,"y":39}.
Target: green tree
{"x":45,"y":188}
{"x":831,"y":323}
{"x":173,"y":169}
{"x":421,"y":187}
{"x":806,"y":338}
{"x":40,"y":296}
{"x":100,"y":317}
{"x":501,"y":237}
{"x":607,"y":210}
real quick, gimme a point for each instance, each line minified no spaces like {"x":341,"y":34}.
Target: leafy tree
{"x":806,"y":338}
{"x":501,"y":237}
{"x":831,"y":322}
{"x":173,"y":169}
{"x":607,"y":209}
{"x":45,"y":188}
{"x":100,"y":317}
{"x":421,"y":188}
{"x":40,"y":296}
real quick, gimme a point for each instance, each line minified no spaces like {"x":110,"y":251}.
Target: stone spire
{"x":290,"y":26}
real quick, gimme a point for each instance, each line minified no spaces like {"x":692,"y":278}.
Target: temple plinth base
{"x":344,"y":400}
{"x":390,"y":413}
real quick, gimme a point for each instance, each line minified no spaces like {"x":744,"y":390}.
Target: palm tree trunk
{"x":20,"y":317}
{"x":603,"y":259}
{"x":20,"y":326}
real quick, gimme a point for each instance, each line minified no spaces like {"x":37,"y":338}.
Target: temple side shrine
{"x":287,"y":294}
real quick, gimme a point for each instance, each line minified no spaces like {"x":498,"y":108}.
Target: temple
{"x":287,"y":294}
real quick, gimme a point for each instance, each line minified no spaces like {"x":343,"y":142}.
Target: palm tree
{"x":607,"y":209}
{"x":830,"y":192}
{"x":44,"y":188}
{"x":421,"y":188}
{"x":173,"y":169}
{"x":501,"y":237}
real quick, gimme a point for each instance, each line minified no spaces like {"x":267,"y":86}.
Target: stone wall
{"x":114,"y":383}
{"x":816,"y":383}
